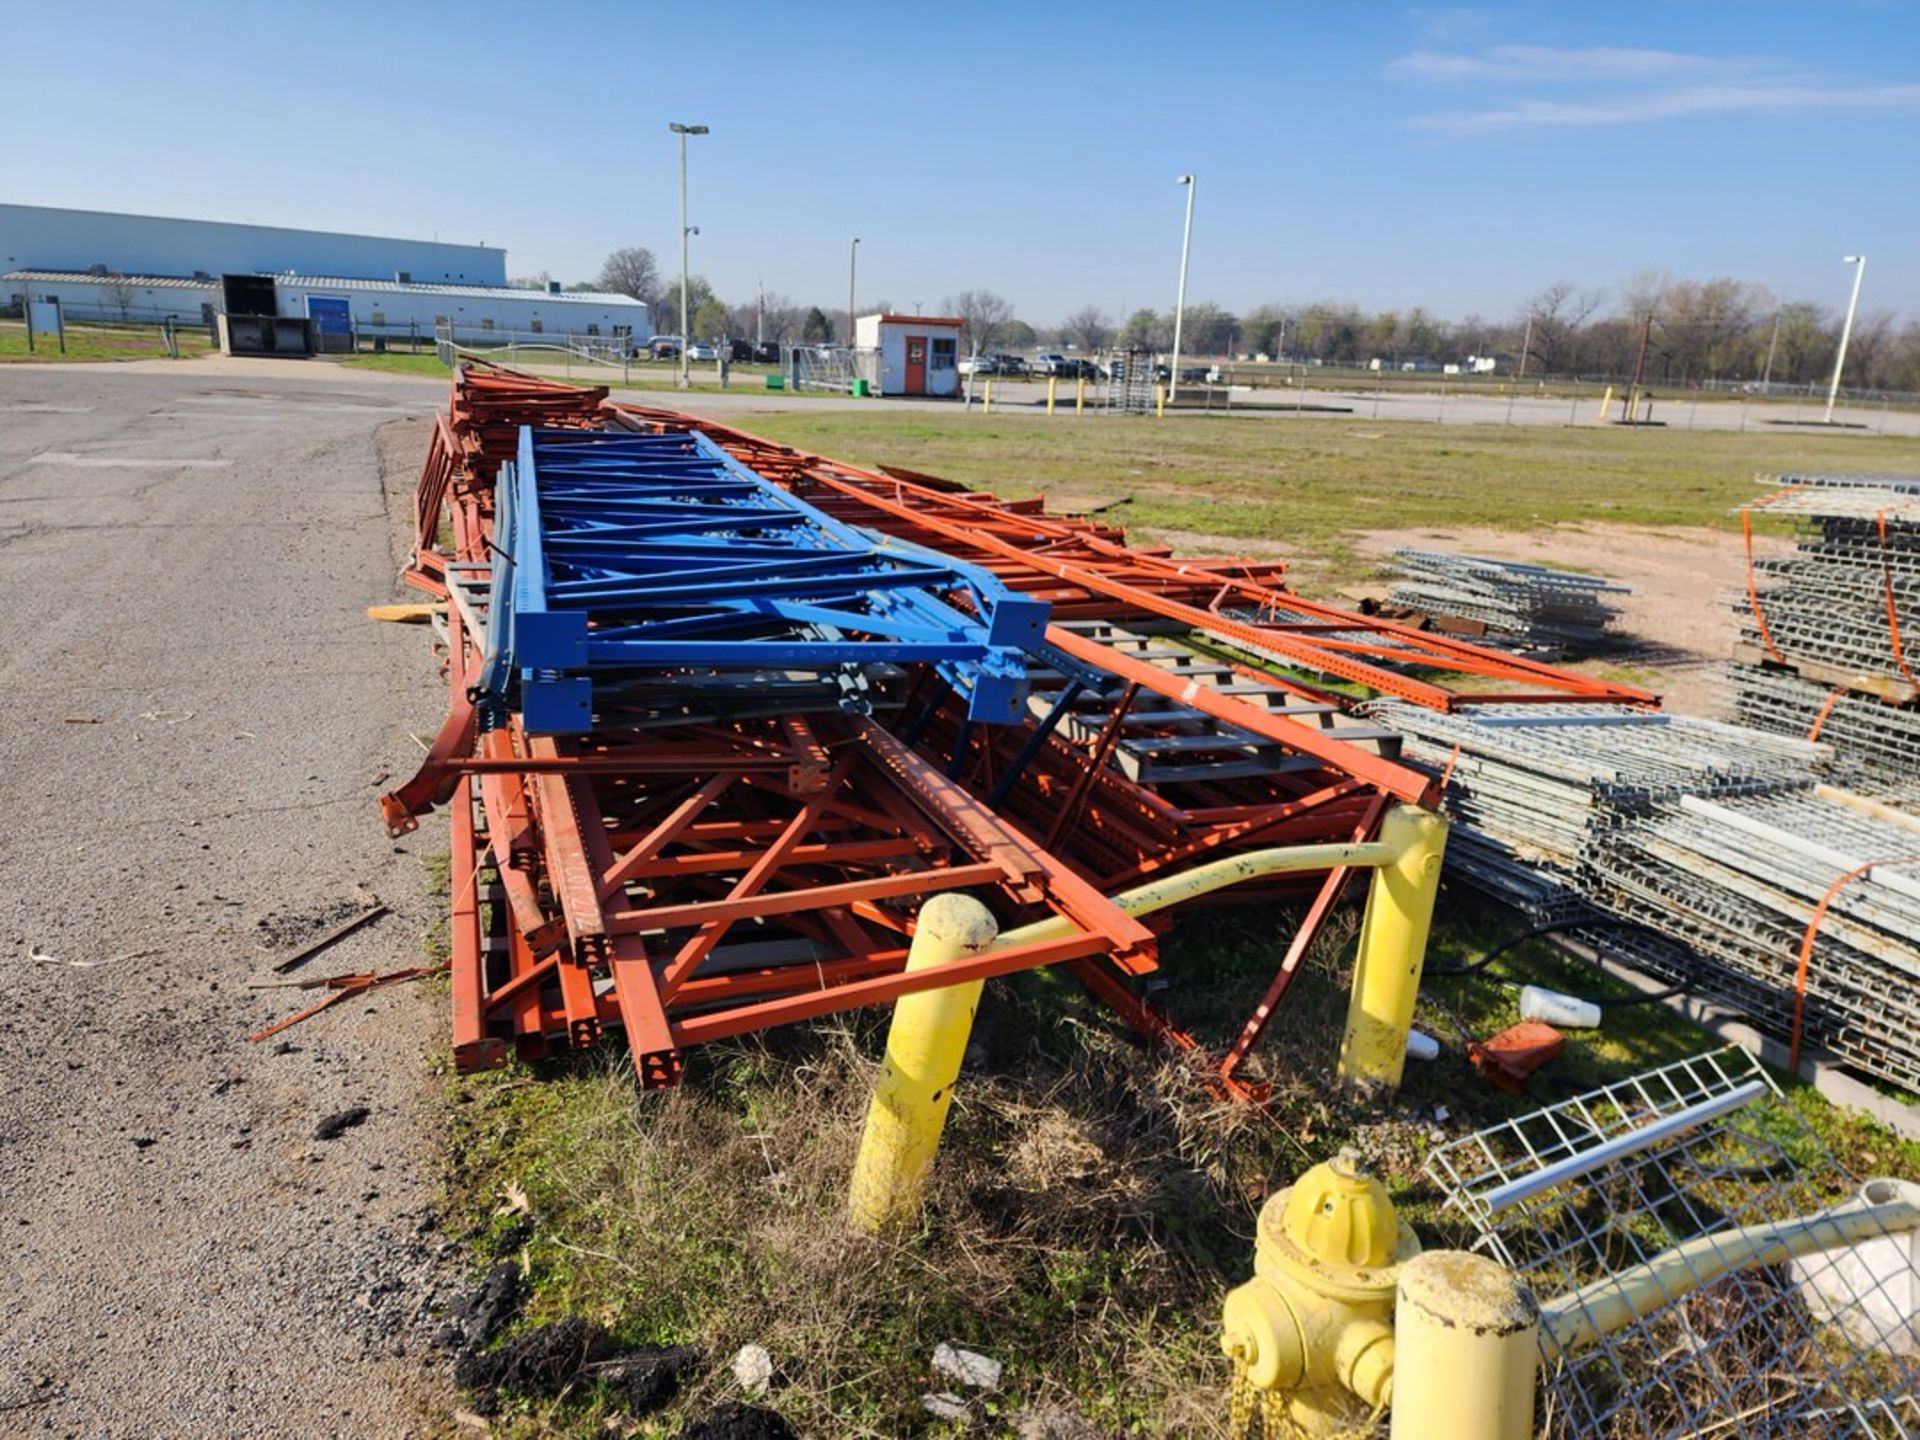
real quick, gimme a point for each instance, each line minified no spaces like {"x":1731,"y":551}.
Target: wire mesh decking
{"x":1573,"y":1195}
{"x":1521,"y":604}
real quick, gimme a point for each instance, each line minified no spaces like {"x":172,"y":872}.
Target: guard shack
{"x":917,"y":354}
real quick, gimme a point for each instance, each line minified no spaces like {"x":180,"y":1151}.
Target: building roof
{"x":250,"y":225}
{"x":330,"y":282}
{"x":944,"y":320}
{"x":87,"y":277}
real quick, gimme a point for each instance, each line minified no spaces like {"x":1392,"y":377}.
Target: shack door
{"x":916,"y":365}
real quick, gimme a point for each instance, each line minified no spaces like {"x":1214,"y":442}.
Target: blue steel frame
{"x":618,"y":553}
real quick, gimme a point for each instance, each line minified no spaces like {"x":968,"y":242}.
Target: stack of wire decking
{"x":1742,"y":882}
{"x":1529,"y":789}
{"x":1717,"y":841}
{"x":1830,"y":633}
{"x":1530,"y":606}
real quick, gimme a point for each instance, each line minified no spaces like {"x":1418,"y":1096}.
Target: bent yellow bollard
{"x":1393,"y":948}
{"x":1466,"y":1337}
{"x":924,"y":1048}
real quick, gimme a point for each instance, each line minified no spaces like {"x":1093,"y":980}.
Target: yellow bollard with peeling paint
{"x":986,"y":399}
{"x":1393,"y":948}
{"x":1053,"y":385}
{"x":925,"y":1045}
{"x":1466,"y":1335}
{"x":1080,"y":395}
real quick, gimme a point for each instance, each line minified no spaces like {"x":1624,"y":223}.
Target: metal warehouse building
{"x":103,"y":266}
{"x":338,"y":303}
{"x":39,"y":237}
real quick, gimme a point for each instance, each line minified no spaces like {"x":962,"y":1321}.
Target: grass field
{"x":98,"y":342}
{"x":1313,"y":486}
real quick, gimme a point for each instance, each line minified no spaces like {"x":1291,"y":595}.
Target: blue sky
{"x":1392,"y":155}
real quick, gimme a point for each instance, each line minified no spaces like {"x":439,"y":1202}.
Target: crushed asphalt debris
{"x":481,"y":1313}
{"x":544,"y":1361}
{"x":736,"y":1421}
{"x":341,"y":1121}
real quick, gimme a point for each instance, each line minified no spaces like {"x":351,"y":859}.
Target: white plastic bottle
{"x":1567,"y":1011}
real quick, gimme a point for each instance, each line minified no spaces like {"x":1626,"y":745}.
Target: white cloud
{"x":1548,"y":64}
{"x":1671,"y":104}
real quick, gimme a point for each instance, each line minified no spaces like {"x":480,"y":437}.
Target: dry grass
{"x":1092,"y":1203}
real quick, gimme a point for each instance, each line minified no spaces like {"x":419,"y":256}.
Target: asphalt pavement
{"x":196,"y":719}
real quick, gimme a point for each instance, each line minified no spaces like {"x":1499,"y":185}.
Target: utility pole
{"x":1526,"y":345}
{"x":1629,"y":402}
{"x":760,"y":315}
{"x":1180,"y":304}
{"x":853,"y":259}
{"x":1766,"y":379}
{"x":683,"y":131}
{"x":1846,"y":331}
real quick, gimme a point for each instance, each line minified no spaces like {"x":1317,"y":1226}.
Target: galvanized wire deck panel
{"x":1525,"y":604}
{"x":1579,"y":1191}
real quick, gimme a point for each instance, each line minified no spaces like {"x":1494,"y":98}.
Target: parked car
{"x":665,"y":347}
{"x":697,"y":351}
{"x":1050,"y":364}
{"x":980,"y":365}
{"x":740,"y":352}
{"x":1011,"y":364}
{"x":767,"y":352}
{"x":1076,"y":368}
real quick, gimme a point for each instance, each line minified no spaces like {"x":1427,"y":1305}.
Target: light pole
{"x":683,"y":131}
{"x":853,"y":257}
{"x":1180,"y":303}
{"x":1859,"y":262}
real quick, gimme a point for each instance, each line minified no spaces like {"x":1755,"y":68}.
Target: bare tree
{"x":1086,"y":328}
{"x":119,"y":290}
{"x":633,"y":271}
{"x":1557,"y":313}
{"x":982,"y":315}
{"x":539,"y":281}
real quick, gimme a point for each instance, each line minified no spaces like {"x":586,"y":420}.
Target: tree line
{"x":1692,"y":331}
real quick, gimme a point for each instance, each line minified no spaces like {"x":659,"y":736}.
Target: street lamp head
{"x":1183,"y":180}
{"x":680,"y":129}
{"x":1851,"y":259}
{"x":693,"y":229}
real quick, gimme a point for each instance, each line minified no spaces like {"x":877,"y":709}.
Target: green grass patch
{"x":398,"y":362}
{"x":99,"y":342}
{"x":1316,"y":485}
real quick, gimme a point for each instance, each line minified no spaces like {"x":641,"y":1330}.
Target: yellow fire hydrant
{"x":1316,"y":1321}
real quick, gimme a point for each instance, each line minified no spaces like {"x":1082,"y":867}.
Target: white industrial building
{"x":103,"y":266}
{"x":369,"y":306}
{"x":41,"y":237}
{"x":918,"y":354}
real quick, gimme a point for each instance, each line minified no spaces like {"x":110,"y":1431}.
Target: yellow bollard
{"x":1466,"y":1350}
{"x":1080,"y":395}
{"x":1053,"y":384}
{"x":1606,"y":403}
{"x":986,"y":401}
{"x":1393,"y":947}
{"x":924,"y":1049}
{"x":1159,"y":402}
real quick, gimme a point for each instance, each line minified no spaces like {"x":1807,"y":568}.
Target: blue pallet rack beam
{"x":620,"y":554}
